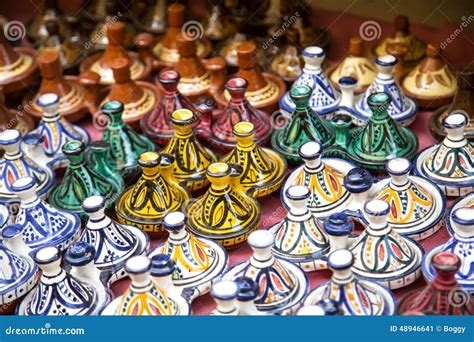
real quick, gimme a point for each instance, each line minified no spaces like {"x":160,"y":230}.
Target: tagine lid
{"x":10,"y":119}
{"x":288,"y":63}
{"x":466,"y":201}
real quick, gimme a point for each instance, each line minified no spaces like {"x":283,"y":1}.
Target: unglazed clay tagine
{"x":324,"y":98}
{"x":304,"y":125}
{"x":416,"y":204}
{"x":155,"y":194}
{"x":354,"y":296}
{"x":263,"y":170}
{"x":431,"y":83}
{"x":402,"y":108}
{"x":443,"y":295}
{"x":14,"y":119}
{"x":450,"y":164}
{"x":282,"y":284}
{"x":199,"y":261}
{"x":225,"y":213}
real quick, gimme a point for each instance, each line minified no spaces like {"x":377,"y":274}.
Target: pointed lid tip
{"x":182,"y":117}
{"x":73,"y":147}
{"x":175,"y":220}
{"x":377,"y":208}
{"x":464,"y":216}
{"x":47,"y":100}
{"x":314,"y":51}
{"x":138,"y":264}
{"x":169,"y":76}
{"x":248,"y":289}
{"x":338,"y":224}
{"x":218,"y":170}
{"x":79,"y":254}
{"x":297,"y":192}
{"x":243,"y":129}
{"x":358,"y":180}
{"x":23,"y":184}
{"x":340,"y":259}
{"x":445,"y":261}
{"x":162,"y":265}
{"x":455,"y":120}
{"x":46,"y":255}
{"x":398,"y":166}
{"x":11,"y":231}
{"x":112,"y":107}
{"x":310,"y":150}
{"x":386,"y":60}
{"x":10,"y":137}
{"x":261,"y":239}
{"x":93,"y":204}
{"x":237,"y":84}
{"x":225,"y":290}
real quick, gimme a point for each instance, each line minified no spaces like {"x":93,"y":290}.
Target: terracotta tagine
{"x":14,"y":119}
{"x":229,"y":48}
{"x":288,"y":63}
{"x":400,"y":70}
{"x":36,"y":27}
{"x":153,"y":18}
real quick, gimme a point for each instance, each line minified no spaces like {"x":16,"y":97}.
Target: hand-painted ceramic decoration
{"x":354,"y":296}
{"x":14,"y":119}
{"x":43,"y":224}
{"x":432,"y":84}
{"x":450,"y":164}
{"x":263,"y":169}
{"x":461,"y":244}
{"x":18,"y":68}
{"x":55,"y":130}
{"x":225,"y":213}
{"x":324,"y":98}
{"x":58,"y":293}
{"x":191,"y":158}
{"x":463,"y":101}
{"x":101,"y":62}
{"x":125,"y":144}
{"x":80,"y":181}
{"x":415,"y":47}
{"x":300,"y":237}
{"x":338,"y":228}
{"x":14,"y":165}
{"x":443,"y":295}
{"x":155,"y":194}
{"x":416,"y":204}
{"x":325,"y":307}
{"x":402,"y":108}
{"x":225,"y":293}
{"x":304,"y":125}
{"x":288,"y":62}
{"x":466,"y":201}
{"x":248,"y":293}
{"x":98,"y":155}
{"x":283,"y":285}
{"x":323,"y":177}
{"x":114,"y":242}
{"x":355,"y":65}
{"x":4,"y":217}
{"x":199,"y":261}
{"x":18,"y":274}
{"x":239,"y":109}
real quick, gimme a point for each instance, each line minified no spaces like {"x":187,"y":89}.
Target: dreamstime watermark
{"x":103,"y":31}
{"x":21,"y":111}
{"x":458,"y":297}
{"x":279,"y":119}
{"x":465,"y":23}
{"x":100,"y":121}
{"x":287,"y":22}
{"x":14,"y":30}
{"x":370,"y":30}
{"x":192,"y":30}
{"x":275,"y":216}
{"x":45,"y":330}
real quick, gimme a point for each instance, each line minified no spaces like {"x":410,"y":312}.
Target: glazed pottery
{"x":325,"y":307}
{"x":4,"y":216}
{"x":55,"y":130}
{"x":229,"y":48}
{"x":114,"y":243}
{"x":125,"y":144}
{"x":225,"y":293}
{"x":58,"y":293}
{"x":467,"y":201}
{"x":199,"y":261}
{"x":323,"y":177}
{"x":43,"y":224}
{"x":402,"y":108}
{"x":14,"y":119}
{"x":416,"y":204}
{"x":224,"y":213}
{"x":303,"y":125}
{"x":288,"y":63}
{"x":463,"y":101}
{"x":324,"y":98}
{"x":239,"y":109}
{"x":443,"y":295}
{"x":191,"y":157}
{"x":461,"y":244}
{"x":98,"y":157}
{"x":354,"y":296}
{"x":381,"y":254}
{"x":450,"y":164}
{"x":263,"y":170}
{"x":18,"y":273}
{"x":247,"y":294}
{"x":155,"y":194}
{"x":80,"y":181}
{"x":432,"y":84}
{"x":300,"y":237}
{"x":355,"y":65}
{"x":282,"y":284}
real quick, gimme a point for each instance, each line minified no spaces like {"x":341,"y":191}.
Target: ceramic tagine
{"x":114,"y":243}
{"x":432,"y":84}
{"x":402,"y":108}
{"x":225,"y":294}
{"x":98,"y":155}
{"x":53,"y":131}
{"x":239,"y":109}
{"x":443,"y":295}
{"x":355,"y":65}
{"x":304,"y":125}
{"x":324,"y":98}
{"x":461,"y":244}
{"x":4,"y":216}
{"x":416,"y":204}
{"x":450,"y":164}
{"x":323,"y":177}
{"x":18,"y":273}
{"x":288,"y":63}
{"x":224,"y":213}
{"x":467,"y":201}
{"x":247,"y":294}
{"x":381,"y":254}
{"x":191,"y":157}
{"x":282,"y":284}
{"x":59,"y":293}
{"x":263,"y":170}
{"x":145,"y":296}
{"x":125,"y":144}
{"x":14,"y":119}
{"x":325,"y":307}
{"x":155,"y":194}
{"x":199,"y":261}
{"x":354,"y":296}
